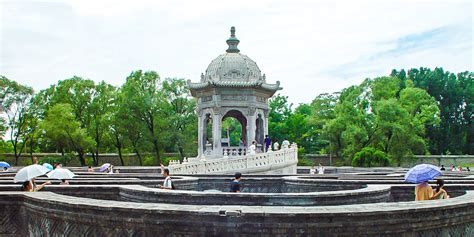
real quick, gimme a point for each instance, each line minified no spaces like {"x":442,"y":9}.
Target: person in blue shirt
{"x":235,"y":184}
{"x":267,"y":143}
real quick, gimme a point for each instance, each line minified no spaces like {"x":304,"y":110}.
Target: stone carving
{"x":261,"y":99}
{"x":233,"y":74}
{"x":206,"y":98}
{"x":216,"y":110}
{"x":234,"y":97}
{"x":252,"y":111}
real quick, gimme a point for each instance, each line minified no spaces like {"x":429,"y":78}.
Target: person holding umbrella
{"x":421,"y":174}
{"x":423,"y":191}
{"x":5,"y":165}
{"x":28,"y":174}
{"x":31,"y":186}
{"x":61,"y":174}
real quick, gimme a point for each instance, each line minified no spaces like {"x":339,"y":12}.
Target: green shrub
{"x":370,"y":157}
{"x":57,"y":159}
{"x":301,"y":152}
{"x":303,"y":161}
{"x":149,"y":160}
{"x":166,"y":160}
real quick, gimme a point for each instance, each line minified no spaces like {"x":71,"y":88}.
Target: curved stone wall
{"x":370,"y":194}
{"x":344,"y":204}
{"x":48,"y":214}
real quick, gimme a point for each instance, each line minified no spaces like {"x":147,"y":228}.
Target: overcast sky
{"x":311,"y":47}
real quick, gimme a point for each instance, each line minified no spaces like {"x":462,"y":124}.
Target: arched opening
{"x":231,"y":132}
{"x":234,"y":133}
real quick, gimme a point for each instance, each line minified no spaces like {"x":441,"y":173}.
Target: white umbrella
{"x":29,"y":172}
{"x":60,"y":173}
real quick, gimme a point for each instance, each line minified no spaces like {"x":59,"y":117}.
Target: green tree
{"x":97,"y":110}
{"x":145,"y":100}
{"x":15,"y":104}
{"x":180,"y":112}
{"x":380,"y":114}
{"x":61,"y":128}
{"x":370,"y":157}
{"x":321,"y":111}
{"x":454,"y":95}
{"x":280,"y":111}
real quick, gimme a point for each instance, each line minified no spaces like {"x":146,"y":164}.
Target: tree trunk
{"x":157,"y":150}
{"x":31,"y":149}
{"x":80,"y":153}
{"x":97,"y":156}
{"x":120,"y":155}
{"x":135,"y":148}
{"x":181,"y":153}
{"x":139,"y":157}
{"x":16,"y":155}
{"x":94,"y":159}
{"x":118,"y":144}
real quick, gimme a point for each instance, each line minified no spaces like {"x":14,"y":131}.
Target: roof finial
{"x":232,"y":42}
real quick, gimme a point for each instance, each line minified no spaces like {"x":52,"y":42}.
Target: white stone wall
{"x":284,"y":159}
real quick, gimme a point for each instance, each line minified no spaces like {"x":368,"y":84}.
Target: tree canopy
{"x":382,"y":121}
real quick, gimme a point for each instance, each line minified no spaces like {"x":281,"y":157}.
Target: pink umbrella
{"x":104,"y":167}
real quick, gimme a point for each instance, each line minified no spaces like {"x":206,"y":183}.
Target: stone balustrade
{"x":260,"y":162}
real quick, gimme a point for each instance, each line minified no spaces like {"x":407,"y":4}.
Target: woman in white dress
{"x":253,"y":148}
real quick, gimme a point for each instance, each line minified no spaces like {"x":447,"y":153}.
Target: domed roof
{"x":233,"y":69}
{"x":232,"y":65}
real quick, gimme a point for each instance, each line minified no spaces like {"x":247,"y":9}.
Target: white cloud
{"x":312,"y":47}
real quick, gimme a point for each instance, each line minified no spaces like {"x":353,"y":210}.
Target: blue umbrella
{"x":422,"y":173}
{"x":48,"y":166}
{"x":4,"y":164}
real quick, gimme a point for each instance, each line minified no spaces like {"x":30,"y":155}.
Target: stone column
{"x":201,"y":142}
{"x":265,"y":123}
{"x":216,"y":134}
{"x":251,"y":126}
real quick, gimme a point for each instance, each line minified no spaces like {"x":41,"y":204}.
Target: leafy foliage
{"x":370,"y":157}
{"x":385,"y":119}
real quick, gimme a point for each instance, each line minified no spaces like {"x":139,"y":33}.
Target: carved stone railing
{"x":255,"y":163}
{"x":234,"y":151}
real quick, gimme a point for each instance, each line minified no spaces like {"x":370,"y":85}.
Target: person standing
{"x":253,"y":148}
{"x":235,"y":184}
{"x":267,"y":143}
{"x":285,"y":144}
{"x":241,"y":147}
{"x":320,"y":169}
{"x":241,"y":143}
{"x":312,"y":170}
{"x":167,"y":183}
{"x":276,"y":146}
